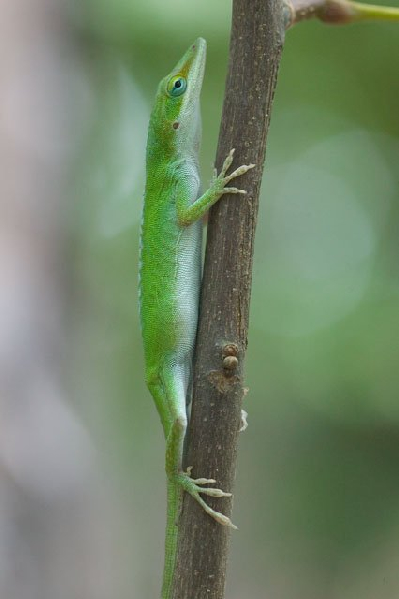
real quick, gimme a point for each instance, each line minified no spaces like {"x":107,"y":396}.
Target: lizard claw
{"x":233,"y":190}
{"x":227,"y":162}
{"x":203,"y":481}
{"x":194,"y":487}
{"x":225,"y":178}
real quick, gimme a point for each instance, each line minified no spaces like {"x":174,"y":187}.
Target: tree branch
{"x":255,"y":49}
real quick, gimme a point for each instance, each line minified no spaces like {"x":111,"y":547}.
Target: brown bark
{"x":255,"y":49}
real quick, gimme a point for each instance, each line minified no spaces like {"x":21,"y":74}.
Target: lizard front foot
{"x":220,"y":181}
{"x":194,"y":487}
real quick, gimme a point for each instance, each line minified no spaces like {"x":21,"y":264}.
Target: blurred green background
{"x":317,"y":494}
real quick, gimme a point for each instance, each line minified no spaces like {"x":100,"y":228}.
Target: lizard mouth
{"x":192,"y":67}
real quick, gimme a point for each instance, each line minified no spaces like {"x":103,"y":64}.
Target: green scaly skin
{"x":170,"y":272}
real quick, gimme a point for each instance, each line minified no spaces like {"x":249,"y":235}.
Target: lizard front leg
{"x":188,"y":212}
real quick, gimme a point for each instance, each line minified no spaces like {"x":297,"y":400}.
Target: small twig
{"x":336,"y":12}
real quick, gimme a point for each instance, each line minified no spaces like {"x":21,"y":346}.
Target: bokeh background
{"x":82,"y":492}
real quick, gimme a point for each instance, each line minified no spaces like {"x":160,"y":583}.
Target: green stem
{"x":374,"y":12}
{"x":336,"y":12}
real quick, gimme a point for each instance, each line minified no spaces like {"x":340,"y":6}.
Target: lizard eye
{"x":177,"y":86}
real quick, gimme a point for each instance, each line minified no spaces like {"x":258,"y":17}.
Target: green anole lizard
{"x":170,"y":272}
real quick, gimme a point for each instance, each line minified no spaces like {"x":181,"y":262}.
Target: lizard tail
{"x":173,"y":492}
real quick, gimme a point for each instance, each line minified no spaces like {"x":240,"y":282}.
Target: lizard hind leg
{"x":174,"y":458}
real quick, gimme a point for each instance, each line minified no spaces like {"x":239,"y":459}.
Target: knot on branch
{"x":225,"y":378}
{"x":230,"y":358}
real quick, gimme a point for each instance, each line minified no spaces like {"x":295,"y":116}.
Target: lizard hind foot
{"x":194,"y":487}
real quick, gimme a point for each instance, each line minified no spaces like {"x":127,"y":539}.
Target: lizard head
{"x":176,"y":116}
